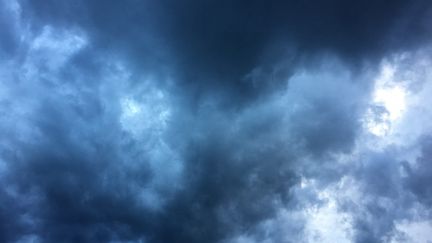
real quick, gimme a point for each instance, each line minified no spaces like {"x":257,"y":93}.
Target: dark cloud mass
{"x":244,"y":47}
{"x":214,"y":121}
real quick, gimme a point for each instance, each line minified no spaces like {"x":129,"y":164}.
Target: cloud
{"x":241,"y":47}
{"x":201,"y":121}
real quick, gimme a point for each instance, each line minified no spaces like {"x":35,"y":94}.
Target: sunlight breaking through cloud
{"x":388,"y":102}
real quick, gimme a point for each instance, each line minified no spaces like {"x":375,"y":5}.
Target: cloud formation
{"x":202,"y":121}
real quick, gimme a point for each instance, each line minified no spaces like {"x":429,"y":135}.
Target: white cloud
{"x":325,"y":222}
{"x":391,"y":96}
{"x":417,"y":231}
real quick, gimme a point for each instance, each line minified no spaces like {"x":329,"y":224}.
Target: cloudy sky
{"x":230,"y":121}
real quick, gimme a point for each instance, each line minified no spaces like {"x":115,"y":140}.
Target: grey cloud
{"x":195,"y":121}
{"x":392,"y":190}
{"x":91,"y":176}
{"x":232,"y":46}
{"x":419,"y":175}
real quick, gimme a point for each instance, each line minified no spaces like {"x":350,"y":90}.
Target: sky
{"x":230,"y":121}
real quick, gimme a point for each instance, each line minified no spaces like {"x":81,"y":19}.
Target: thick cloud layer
{"x":243,"y":47}
{"x":205,"y":121}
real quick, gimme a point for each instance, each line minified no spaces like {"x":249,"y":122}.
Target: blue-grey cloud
{"x":199,"y":121}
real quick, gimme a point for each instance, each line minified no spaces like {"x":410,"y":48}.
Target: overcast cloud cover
{"x":200,"y":121}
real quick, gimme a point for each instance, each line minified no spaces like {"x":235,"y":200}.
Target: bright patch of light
{"x":393,"y":99}
{"x":388,"y":103}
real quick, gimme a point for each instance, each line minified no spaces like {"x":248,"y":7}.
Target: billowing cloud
{"x":200,"y":121}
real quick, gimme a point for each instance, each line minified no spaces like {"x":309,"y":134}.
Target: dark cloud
{"x":197,"y":121}
{"x":8,"y":23}
{"x":376,"y":215}
{"x":419,"y":177}
{"x":242,"y":47}
{"x":95,"y":180}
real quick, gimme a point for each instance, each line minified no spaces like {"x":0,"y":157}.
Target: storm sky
{"x":230,"y":121}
